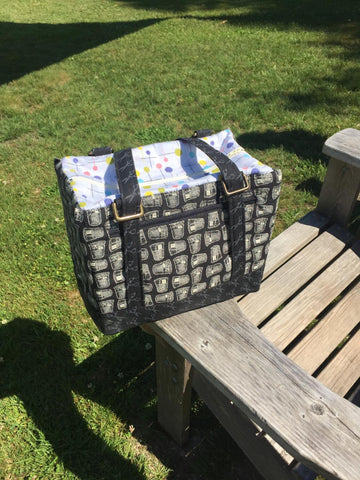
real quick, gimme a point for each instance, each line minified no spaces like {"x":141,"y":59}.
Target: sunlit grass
{"x":283,"y":76}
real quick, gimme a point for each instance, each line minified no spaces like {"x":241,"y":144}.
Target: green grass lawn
{"x":282,"y":74}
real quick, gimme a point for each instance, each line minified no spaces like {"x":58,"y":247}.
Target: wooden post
{"x":341,"y":186}
{"x":340,"y":191}
{"x":173,"y":374}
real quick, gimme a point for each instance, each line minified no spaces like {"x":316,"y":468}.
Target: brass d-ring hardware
{"x":126,"y":217}
{"x":240,"y":189}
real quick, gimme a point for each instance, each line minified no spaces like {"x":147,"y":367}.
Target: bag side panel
{"x":259,"y":220}
{"x":96,"y":250}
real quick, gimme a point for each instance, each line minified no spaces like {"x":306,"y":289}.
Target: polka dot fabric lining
{"x":160,"y":167}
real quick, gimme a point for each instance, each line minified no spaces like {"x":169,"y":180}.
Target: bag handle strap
{"x":97,"y":151}
{"x":131,"y":211}
{"x":128,"y":185}
{"x":234,"y":180}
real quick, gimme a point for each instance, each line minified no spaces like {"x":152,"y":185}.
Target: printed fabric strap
{"x":234,"y":181}
{"x":129,"y":205}
{"x":231,"y":175}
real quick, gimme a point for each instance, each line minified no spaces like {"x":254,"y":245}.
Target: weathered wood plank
{"x":245,"y":433}
{"x":173,"y":377}
{"x":313,"y":299}
{"x":288,"y":279}
{"x":293,"y":239}
{"x":323,"y":339}
{"x":304,"y":417}
{"x":344,"y":370}
{"x":344,"y":146}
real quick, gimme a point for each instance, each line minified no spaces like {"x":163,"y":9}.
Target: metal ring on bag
{"x":240,"y":189}
{"x":126,"y":217}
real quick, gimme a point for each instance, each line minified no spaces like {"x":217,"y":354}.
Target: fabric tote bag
{"x":166,"y":228}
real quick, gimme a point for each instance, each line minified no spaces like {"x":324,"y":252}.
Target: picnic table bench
{"x":274,"y":366}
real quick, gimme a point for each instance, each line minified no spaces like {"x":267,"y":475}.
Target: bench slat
{"x":293,"y":239}
{"x":288,"y":279}
{"x":300,"y":414}
{"x":339,"y":375}
{"x":324,"y":338}
{"x":313,"y":299}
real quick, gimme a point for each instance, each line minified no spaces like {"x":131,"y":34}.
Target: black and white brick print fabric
{"x":185,"y":252}
{"x":184,"y":245}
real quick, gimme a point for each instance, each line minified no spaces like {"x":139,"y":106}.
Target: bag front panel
{"x":184,"y":250}
{"x":185,"y":256}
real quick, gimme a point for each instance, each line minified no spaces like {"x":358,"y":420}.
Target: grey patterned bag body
{"x":140,"y":258}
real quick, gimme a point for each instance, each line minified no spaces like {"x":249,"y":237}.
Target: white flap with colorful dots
{"x":160,"y":167}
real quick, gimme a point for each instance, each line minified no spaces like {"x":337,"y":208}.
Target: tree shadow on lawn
{"x":340,"y":21}
{"x":306,"y":13}
{"x":341,"y":24}
{"x":29,"y":47}
{"x":38,"y":367}
{"x":305,"y":145}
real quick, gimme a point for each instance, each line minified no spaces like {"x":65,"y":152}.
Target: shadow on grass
{"x":306,"y":13}
{"x":176,"y":6}
{"x":304,"y":144}
{"x":29,"y":47}
{"x":38,"y":367}
{"x":340,"y":21}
